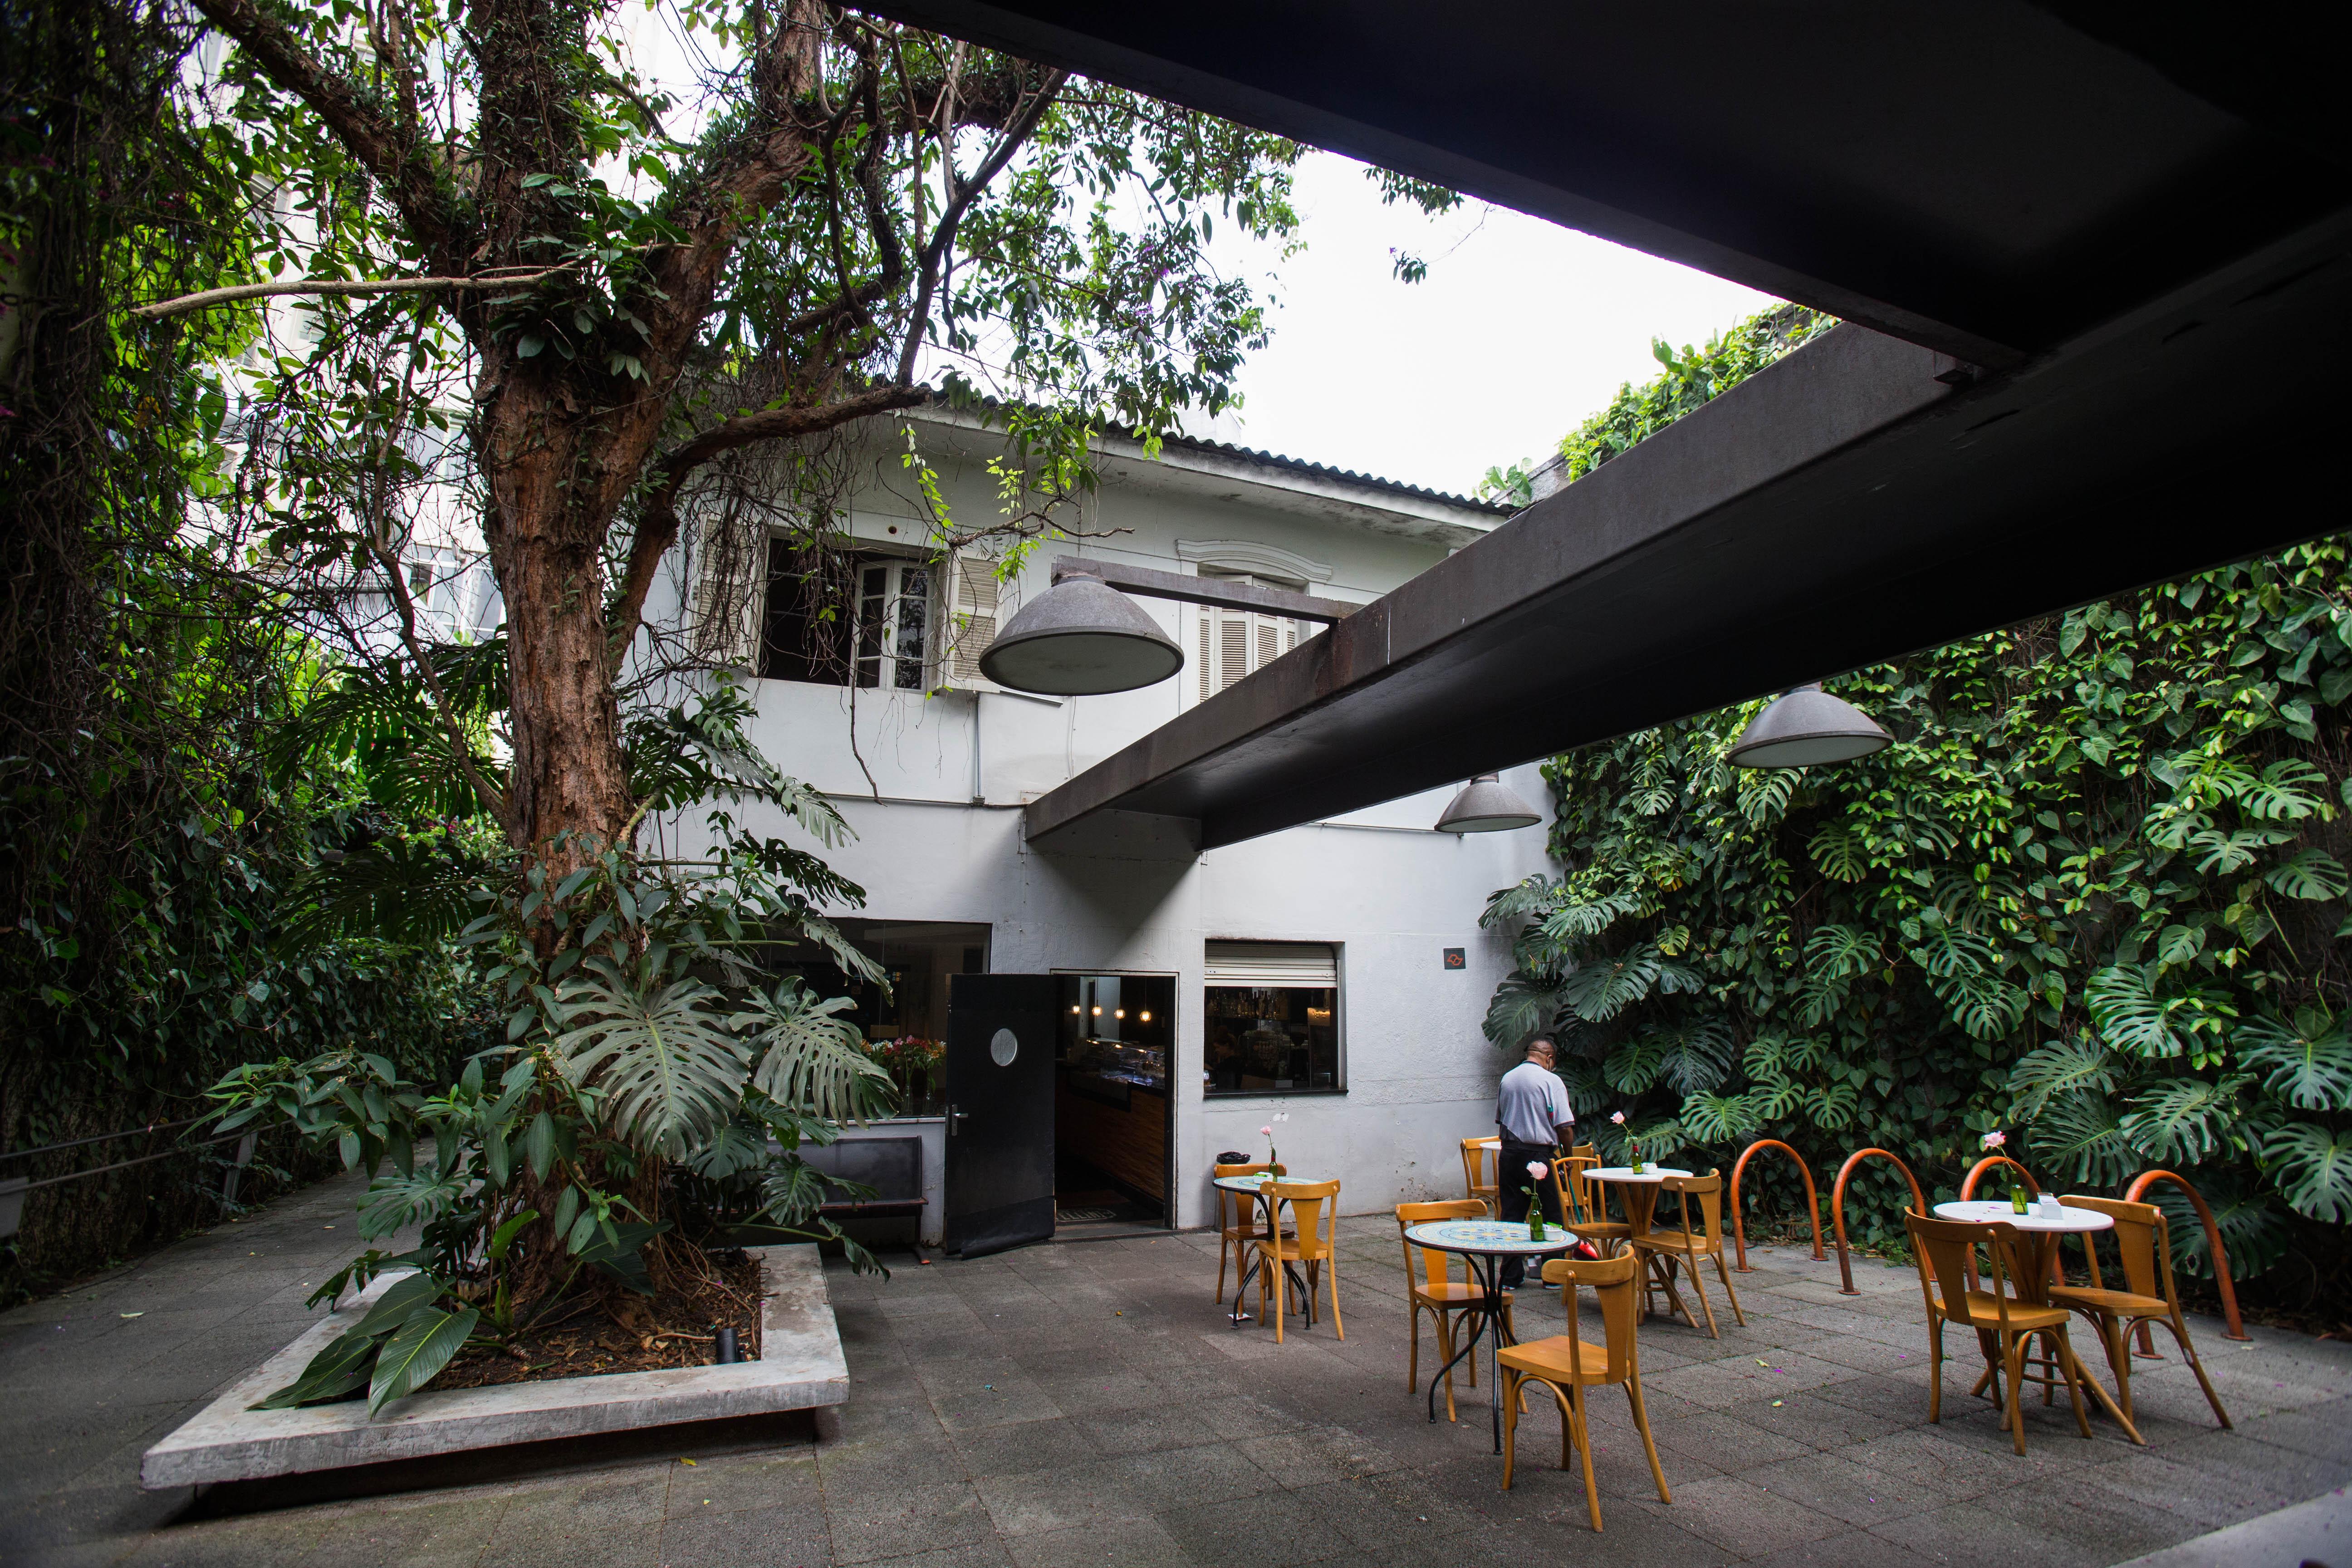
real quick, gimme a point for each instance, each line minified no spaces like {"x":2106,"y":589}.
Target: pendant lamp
{"x":1487,"y":805}
{"x":1081,"y":637}
{"x":1805,"y":726}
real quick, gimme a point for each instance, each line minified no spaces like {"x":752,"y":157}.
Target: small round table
{"x":1641,"y":1200}
{"x":1486,"y":1243}
{"x":1254,"y":1187}
{"x":2037,"y":1262}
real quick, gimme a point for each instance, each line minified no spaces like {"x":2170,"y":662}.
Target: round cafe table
{"x":1254,"y":1187}
{"x":1486,"y":1243}
{"x":2036,"y":1264}
{"x":1640,"y":1197}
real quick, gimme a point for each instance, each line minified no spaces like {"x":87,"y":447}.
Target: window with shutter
{"x":971,"y":619}
{"x":838,"y":619}
{"x":729,"y":597}
{"x":1270,"y":1015}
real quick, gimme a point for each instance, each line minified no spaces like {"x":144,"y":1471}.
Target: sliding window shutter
{"x":1310,"y":965}
{"x":971,"y":603}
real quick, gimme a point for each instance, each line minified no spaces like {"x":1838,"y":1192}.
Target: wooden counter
{"x":1130,"y":1146}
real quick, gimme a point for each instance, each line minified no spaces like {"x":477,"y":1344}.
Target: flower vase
{"x":2017,"y":1199}
{"x":1640,"y":1166}
{"x":1535,"y":1225}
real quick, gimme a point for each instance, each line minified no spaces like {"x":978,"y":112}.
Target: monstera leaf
{"x":2186,"y":1120}
{"x":663,"y":1060}
{"x":2313,"y":1166}
{"x":2059,"y":1067}
{"x":2307,"y":1063}
{"x":810,"y":1058}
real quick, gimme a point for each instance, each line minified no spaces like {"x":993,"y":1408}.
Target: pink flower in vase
{"x":1994,"y":1140}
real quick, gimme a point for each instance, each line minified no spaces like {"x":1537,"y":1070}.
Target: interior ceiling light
{"x":1081,"y":637}
{"x":1487,"y":805}
{"x":1806,"y":726}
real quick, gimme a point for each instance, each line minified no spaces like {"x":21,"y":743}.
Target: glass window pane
{"x":914,"y":619}
{"x":873,"y":595}
{"x":1265,"y":1039}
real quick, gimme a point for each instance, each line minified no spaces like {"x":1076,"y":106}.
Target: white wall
{"x":943,"y":842}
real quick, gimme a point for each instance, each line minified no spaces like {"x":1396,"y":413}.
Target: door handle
{"x":954,"y":1116}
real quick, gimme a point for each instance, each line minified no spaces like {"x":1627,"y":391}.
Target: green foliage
{"x":2096,"y":890}
{"x":2093,"y":891}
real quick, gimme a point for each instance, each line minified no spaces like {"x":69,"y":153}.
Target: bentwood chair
{"x":1478,"y":1157}
{"x":1945,"y":1250}
{"x":1568,"y":1363}
{"x":1583,"y":1209}
{"x":1689,"y":1244}
{"x":1311,"y":1248}
{"x":1434,"y":1290}
{"x":2145,"y":1242}
{"x":1238,"y":1227}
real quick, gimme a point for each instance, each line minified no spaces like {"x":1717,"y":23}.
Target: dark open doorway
{"x":1113,"y":1121}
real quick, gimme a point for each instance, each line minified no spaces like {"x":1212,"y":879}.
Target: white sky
{"x":1521,"y":329}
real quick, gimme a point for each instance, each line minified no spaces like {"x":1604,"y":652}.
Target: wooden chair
{"x":1945,"y":1250}
{"x":1583,"y":1207}
{"x":1237,"y":1237}
{"x":1310,"y":1247}
{"x":1478,"y":1173}
{"x":1433,"y":1290}
{"x":1690,"y":1245}
{"x":1568,"y":1363}
{"x":2145,"y":1242}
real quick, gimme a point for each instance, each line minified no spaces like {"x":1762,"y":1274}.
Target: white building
{"x":1310,"y":972}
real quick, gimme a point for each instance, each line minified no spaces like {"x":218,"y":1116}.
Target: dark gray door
{"x":1000,"y":1165}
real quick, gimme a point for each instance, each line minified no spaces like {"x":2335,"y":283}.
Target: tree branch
{"x":657,"y":527}
{"x":396,"y":159}
{"x":186,"y":302}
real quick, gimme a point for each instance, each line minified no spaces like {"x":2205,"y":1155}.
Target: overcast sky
{"x":1521,"y":329}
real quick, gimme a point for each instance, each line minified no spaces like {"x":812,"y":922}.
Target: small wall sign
{"x":1455,"y":960}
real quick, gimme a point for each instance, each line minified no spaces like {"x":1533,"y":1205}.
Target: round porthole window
{"x":1003,"y":1047}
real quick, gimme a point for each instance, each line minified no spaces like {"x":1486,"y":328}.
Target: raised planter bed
{"x":800,"y":1367}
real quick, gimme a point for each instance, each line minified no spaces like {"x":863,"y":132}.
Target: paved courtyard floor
{"x":1087,"y":1403}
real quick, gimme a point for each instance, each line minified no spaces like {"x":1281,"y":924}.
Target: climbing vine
{"x":2094,"y":896}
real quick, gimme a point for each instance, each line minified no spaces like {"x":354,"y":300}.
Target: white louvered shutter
{"x":1309,"y":966}
{"x":729,"y":589}
{"x":970,"y":597}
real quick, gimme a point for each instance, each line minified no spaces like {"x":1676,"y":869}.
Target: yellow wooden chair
{"x":1478,"y":1156}
{"x":1945,"y":1250}
{"x":1568,"y":1363}
{"x":1239,"y":1227}
{"x":2145,"y":1242}
{"x":1433,"y":1289}
{"x":1690,"y":1244}
{"x":1310,"y":1248}
{"x":1583,"y":1207}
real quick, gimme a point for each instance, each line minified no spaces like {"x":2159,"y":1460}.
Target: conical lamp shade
{"x":1080,"y":638}
{"x":1805,"y":727}
{"x":1487,"y":805}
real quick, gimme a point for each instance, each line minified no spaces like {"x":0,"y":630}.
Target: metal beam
{"x":1848,"y":505}
{"x":1223,"y":592}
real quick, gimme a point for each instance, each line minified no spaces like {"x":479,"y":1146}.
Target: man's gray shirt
{"x":1532,"y":1105}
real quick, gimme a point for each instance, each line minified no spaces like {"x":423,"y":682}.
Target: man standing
{"x":1532,"y":1112}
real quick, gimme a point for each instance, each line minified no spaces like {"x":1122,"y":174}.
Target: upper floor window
{"x":1232,"y":643}
{"x":842,"y":619}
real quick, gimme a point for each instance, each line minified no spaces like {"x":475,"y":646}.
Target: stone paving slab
{"x":1090,"y":1405}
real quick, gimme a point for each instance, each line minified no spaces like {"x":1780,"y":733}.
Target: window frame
{"x":1338,"y":1086}
{"x":861,"y":645}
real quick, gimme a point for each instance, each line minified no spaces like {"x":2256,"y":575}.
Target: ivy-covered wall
{"x":2093,"y":897}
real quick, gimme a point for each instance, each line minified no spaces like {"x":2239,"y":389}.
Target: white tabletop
{"x":1490,"y":1235}
{"x":1627,"y":1173}
{"x":1256,"y":1184}
{"x":1988,"y":1211}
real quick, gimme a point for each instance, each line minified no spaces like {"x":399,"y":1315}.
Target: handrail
{"x":1837,"y":1206}
{"x":1969,"y":1186}
{"x":1812,"y":1200}
{"x":2140,"y":1183}
{"x":104,"y":1137}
